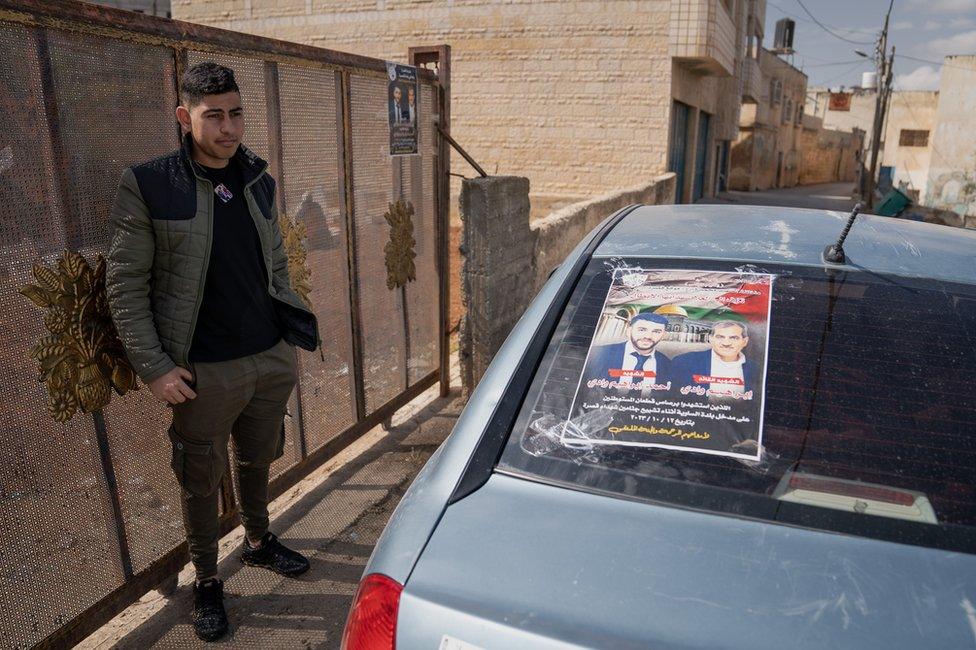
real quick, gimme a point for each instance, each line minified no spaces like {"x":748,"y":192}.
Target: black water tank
{"x":784,"y":34}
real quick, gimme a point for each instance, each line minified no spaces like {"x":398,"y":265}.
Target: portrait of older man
{"x":724,"y":361}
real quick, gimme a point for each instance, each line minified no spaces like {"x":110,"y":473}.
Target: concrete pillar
{"x":497,"y":267}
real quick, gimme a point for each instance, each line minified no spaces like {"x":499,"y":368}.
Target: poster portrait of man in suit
{"x":615,"y":362}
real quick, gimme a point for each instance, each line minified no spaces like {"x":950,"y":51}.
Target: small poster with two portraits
{"x":678,"y":358}
{"x":403,"y":107}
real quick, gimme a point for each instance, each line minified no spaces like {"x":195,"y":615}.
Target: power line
{"x":832,"y":63}
{"x":826,"y":29}
{"x":945,"y":65}
{"x":810,"y":22}
{"x":844,"y":73}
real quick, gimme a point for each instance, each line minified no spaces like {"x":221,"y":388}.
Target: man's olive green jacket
{"x":162,"y":227}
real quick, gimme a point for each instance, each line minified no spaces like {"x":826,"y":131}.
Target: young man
{"x":638,"y":353}
{"x":197,"y":281}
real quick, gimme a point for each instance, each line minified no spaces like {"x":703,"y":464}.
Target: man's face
{"x":217,"y":124}
{"x":728,"y":342}
{"x":410,"y":96}
{"x":644,"y":335}
{"x":397,"y":94}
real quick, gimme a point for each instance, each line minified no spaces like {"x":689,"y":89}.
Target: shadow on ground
{"x":336,"y":524}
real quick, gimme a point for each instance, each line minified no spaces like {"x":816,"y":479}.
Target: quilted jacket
{"x":162,"y":226}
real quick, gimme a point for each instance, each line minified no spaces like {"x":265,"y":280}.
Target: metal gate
{"x":89,"y":508}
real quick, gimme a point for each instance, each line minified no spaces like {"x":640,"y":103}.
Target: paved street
{"x":334,"y":516}
{"x":829,"y":196}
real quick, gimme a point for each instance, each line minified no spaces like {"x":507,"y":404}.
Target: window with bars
{"x":913,"y":138}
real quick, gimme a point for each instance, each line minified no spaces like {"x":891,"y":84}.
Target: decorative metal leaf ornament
{"x":295,"y":236}
{"x":400,"y":253}
{"x":82,"y":359}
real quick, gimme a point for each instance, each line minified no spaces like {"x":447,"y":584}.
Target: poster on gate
{"x":678,"y":361}
{"x":403,"y":107}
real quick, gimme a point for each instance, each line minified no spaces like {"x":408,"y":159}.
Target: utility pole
{"x":884,"y":64}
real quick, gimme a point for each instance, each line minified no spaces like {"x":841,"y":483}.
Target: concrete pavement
{"x":334,"y":516}
{"x":829,"y":196}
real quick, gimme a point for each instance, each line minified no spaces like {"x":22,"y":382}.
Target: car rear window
{"x":863,"y":411}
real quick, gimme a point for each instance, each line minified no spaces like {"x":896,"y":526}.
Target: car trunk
{"x":520,"y":563}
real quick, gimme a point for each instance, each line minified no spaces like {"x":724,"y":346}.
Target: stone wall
{"x":952,"y":170}
{"x":828,"y":156}
{"x":572,"y":94}
{"x":506,"y":257}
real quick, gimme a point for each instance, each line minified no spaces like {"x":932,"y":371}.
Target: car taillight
{"x":372,"y":620}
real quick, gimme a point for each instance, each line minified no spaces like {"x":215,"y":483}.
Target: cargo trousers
{"x":244,"y":399}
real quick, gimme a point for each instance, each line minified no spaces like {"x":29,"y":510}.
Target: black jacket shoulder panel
{"x":264,"y":195}
{"x":168,"y":187}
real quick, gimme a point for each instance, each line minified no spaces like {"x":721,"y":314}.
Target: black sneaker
{"x":273,"y":555}
{"x":209,"y":617}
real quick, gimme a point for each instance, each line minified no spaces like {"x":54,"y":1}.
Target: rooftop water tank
{"x":869,"y":80}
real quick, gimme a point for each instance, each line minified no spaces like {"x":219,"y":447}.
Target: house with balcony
{"x":767,"y":152}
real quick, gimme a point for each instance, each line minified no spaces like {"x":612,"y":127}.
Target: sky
{"x":919,"y":29}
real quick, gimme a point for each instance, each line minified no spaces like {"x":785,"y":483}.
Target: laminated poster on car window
{"x":678,"y":359}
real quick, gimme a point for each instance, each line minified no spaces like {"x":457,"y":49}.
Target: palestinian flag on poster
{"x":696,"y":295}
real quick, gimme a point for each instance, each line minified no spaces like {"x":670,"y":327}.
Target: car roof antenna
{"x":835,"y":253}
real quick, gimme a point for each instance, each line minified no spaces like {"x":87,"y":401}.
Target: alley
{"x":828,"y":196}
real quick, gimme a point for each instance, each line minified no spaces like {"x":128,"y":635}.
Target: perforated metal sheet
{"x":382,"y":311}
{"x":111,"y":104}
{"x":130,"y":88}
{"x":310,"y":177}
{"x":423,"y":295}
{"x":55,"y":508}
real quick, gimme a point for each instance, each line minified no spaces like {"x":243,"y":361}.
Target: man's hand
{"x":171,"y":387}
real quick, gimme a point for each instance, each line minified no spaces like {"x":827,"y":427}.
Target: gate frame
{"x":181,"y":37}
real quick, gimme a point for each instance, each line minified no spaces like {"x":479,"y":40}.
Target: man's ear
{"x":183,"y":117}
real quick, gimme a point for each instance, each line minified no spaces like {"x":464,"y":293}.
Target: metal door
{"x":677,"y":147}
{"x":701,"y":155}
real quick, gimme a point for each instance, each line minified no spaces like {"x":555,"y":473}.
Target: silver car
{"x":704,"y":434}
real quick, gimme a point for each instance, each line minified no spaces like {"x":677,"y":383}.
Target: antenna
{"x":835,"y":253}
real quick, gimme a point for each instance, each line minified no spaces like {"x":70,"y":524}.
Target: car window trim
{"x":481,"y":463}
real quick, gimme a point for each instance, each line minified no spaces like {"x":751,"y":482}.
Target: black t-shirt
{"x":237,"y":317}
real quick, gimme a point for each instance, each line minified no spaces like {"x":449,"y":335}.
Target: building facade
{"x":767,"y":152}
{"x":951,"y":183}
{"x":582,"y":97}
{"x":905,"y":151}
{"x":829,"y":155}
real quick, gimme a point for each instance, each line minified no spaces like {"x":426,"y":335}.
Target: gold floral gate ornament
{"x":295,"y":236}
{"x":400,"y":253}
{"x":82,"y":358}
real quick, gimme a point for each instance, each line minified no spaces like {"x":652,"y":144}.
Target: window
{"x":910,"y":138}
{"x":867,"y":400}
{"x":799,"y":113}
{"x":787,"y":116}
{"x":775,"y":90}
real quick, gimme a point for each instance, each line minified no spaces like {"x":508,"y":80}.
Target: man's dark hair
{"x":207,"y":78}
